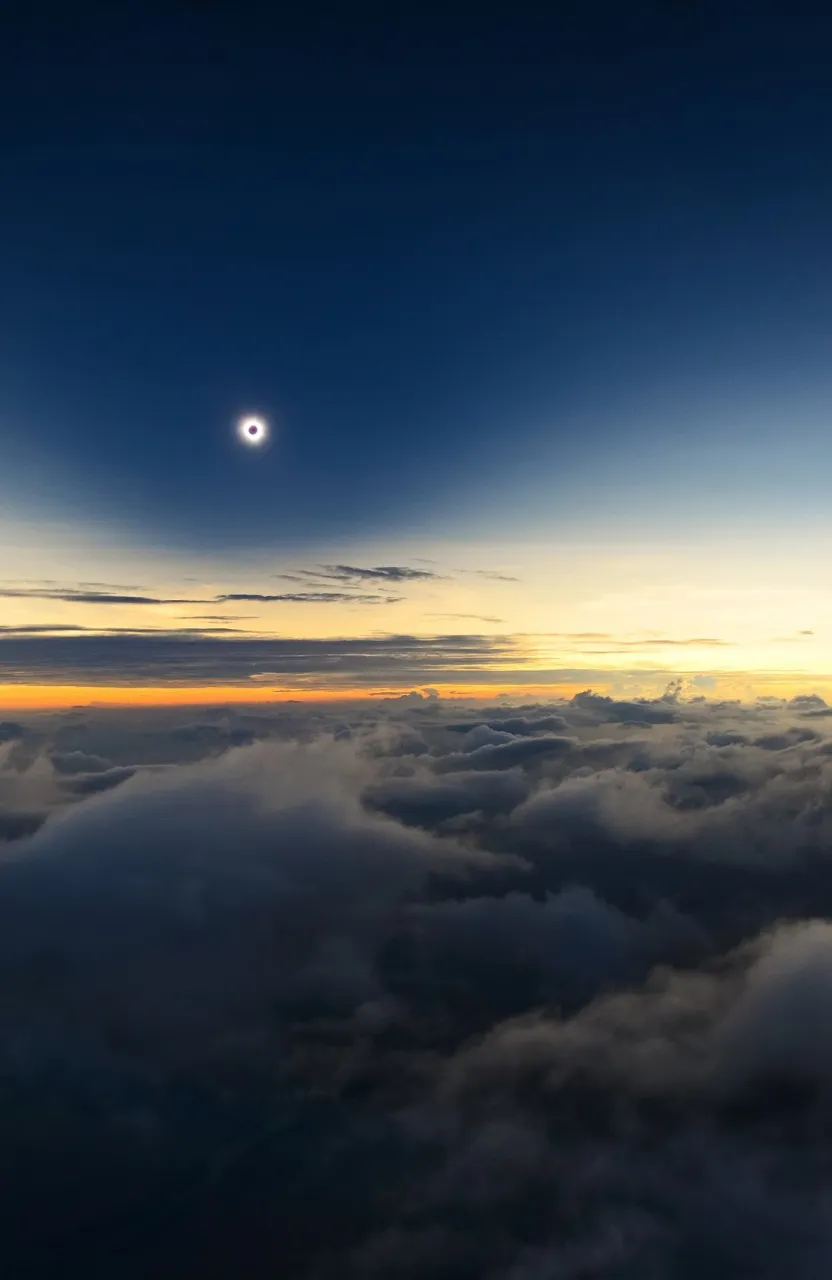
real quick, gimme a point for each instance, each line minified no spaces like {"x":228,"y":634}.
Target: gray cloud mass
{"x":535,"y":992}
{"x":219,"y":655}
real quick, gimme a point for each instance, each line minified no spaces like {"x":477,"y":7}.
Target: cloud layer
{"x":518,"y":992}
{"x":167,"y":657}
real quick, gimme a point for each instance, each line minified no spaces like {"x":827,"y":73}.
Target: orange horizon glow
{"x":55,"y":697}
{"x":58,"y":697}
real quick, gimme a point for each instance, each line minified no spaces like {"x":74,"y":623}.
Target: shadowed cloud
{"x":544,"y":1007}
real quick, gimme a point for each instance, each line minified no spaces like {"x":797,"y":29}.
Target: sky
{"x":414,"y":821}
{"x":537,"y":308}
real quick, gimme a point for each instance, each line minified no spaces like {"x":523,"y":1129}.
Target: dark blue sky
{"x":446,"y":248}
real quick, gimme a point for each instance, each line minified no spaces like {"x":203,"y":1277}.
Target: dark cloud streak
{"x":71,"y":596}
{"x":194,"y":658}
{"x":310,"y":597}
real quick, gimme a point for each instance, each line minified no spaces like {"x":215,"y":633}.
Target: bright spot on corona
{"x":253,"y":431}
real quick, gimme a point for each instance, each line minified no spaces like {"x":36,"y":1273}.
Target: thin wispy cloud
{"x":492,"y":575}
{"x":310,"y":597}
{"x":589,"y":640}
{"x":37,"y":628}
{"x":194,"y":658}
{"x":74,"y":595}
{"x":475,"y":617}
{"x":705,"y":642}
{"x":224,"y":656}
{"x":78,"y":596}
{"x":40,"y":583}
{"x":110,"y":586}
{"x":355,"y":573}
{"x":48,"y":628}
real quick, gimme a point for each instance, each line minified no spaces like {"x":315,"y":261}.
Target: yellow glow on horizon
{"x":25,"y":697}
{"x":746,"y":618}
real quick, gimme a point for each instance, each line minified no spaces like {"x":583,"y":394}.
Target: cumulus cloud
{"x":505,"y":753}
{"x":506,"y":722}
{"x":77,"y":762}
{"x":600,"y":708}
{"x":518,"y":992}
{"x":19,"y":823}
{"x":100,"y":780}
{"x":427,"y":801}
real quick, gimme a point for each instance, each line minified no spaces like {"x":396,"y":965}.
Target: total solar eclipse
{"x":253,"y":431}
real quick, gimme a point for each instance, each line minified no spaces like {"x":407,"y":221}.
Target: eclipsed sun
{"x":253,"y":431}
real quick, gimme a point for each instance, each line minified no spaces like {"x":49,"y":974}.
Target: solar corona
{"x":253,"y":431}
